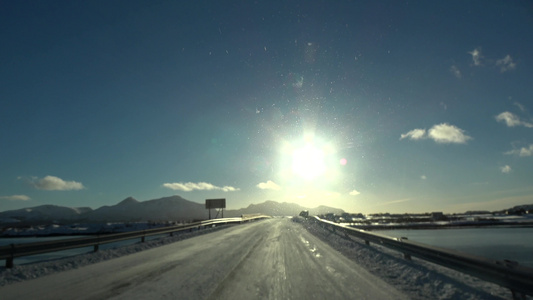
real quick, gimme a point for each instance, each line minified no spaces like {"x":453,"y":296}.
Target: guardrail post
{"x":518,"y":296}
{"x":97,"y":245}
{"x":9,"y":263}
{"x":9,"y":260}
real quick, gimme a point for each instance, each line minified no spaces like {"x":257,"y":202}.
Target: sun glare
{"x":308,"y":162}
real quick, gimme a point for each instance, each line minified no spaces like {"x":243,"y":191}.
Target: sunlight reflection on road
{"x":313,"y":249}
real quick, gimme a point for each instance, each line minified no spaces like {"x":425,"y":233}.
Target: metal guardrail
{"x":10,"y":252}
{"x":509,"y":274}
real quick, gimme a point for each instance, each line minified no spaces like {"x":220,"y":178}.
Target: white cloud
{"x":423,"y":177}
{"x":201,"y":186}
{"x":476,"y":56}
{"x":506,"y":169}
{"x":512,"y":120}
{"x":522,"y":151}
{"x":415,"y":134}
{"x":228,"y":188}
{"x":354,"y":193}
{"x":269,"y":185}
{"x":53,"y":183}
{"x":441,"y":133}
{"x":445,"y":133}
{"x":456,"y":72}
{"x":15,"y":198}
{"x":506,"y":64}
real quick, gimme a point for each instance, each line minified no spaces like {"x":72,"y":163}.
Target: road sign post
{"x":215,"y":203}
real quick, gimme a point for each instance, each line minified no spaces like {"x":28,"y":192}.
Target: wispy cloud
{"x":506,"y":63}
{"x":396,"y":201}
{"x":269,"y":185}
{"x":423,"y":177}
{"x":512,"y":120}
{"x":15,"y":198}
{"x":354,"y":193}
{"x":415,"y":134}
{"x":200,"y":186}
{"x":522,"y":151}
{"x":506,"y":169}
{"x":53,"y":183}
{"x":441,"y":133}
{"x":476,"y":56}
{"x":456,"y":72}
{"x":520,"y":106}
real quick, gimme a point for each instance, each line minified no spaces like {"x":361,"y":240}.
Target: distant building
{"x":330,"y":216}
{"x":437,"y":216}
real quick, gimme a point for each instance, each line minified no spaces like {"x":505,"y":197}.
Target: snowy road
{"x":271,"y":259}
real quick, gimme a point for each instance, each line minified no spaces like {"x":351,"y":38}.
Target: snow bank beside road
{"x":36,"y":270}
{"x":417,"y":278}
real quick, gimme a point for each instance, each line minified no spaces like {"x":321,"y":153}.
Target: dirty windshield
{"x":385,"y":116}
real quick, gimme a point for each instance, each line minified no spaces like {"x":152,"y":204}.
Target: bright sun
{"x":308,"y":162}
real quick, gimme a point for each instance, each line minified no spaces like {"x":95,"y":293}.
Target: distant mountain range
{"x":174,"y":208}
{"x":273,"y":208}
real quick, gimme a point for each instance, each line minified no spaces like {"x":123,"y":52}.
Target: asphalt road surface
{"x":270,"y":259}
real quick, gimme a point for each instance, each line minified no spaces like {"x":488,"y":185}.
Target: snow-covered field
{"x":417,"y":279}
{"x":80,"y":229}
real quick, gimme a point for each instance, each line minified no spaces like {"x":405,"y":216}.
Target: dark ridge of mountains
{"x":273,"y":208}
{"x":173,"y":208}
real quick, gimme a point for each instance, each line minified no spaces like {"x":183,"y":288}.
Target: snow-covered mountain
{"x":43,"y":213}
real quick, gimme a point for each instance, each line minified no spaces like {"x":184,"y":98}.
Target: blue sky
{"x":369,"y":107}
